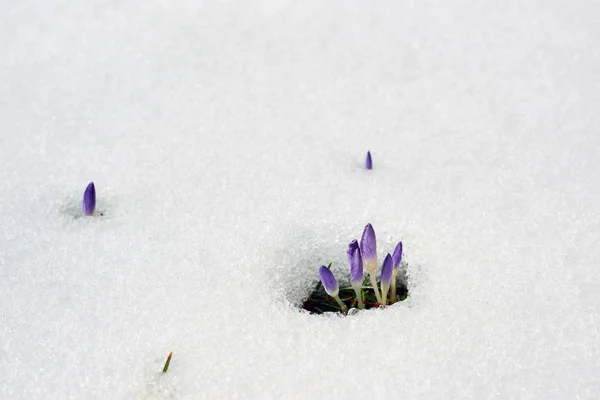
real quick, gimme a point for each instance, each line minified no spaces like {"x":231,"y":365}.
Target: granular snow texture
{"x":226,"y":141}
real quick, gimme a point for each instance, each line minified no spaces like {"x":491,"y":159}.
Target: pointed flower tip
{"x":397,"y":255}
{"x":386,"y":270}
{"x":368,"y":247}
{"x":329,"y":282}
{"x":356,"y":263}
{"x":368,"y":161}
{"x":89,"y":199}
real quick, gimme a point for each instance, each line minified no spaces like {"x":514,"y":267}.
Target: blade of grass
{"x":167,"y":363}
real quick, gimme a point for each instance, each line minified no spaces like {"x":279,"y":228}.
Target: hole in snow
{"x":319,"y":302}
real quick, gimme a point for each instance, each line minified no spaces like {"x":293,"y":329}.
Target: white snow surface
{"x":226,"y":141}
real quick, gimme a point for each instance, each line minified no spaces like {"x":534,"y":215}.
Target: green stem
{"x":358,"y":291}
{"x":342,"y":305}
{"x":393,"y":292}
{"x":384,"y":292}
{"x":374,"y":284}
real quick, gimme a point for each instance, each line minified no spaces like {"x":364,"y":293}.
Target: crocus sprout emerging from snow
{"x":356,"y":271}
{"x":89,"y":199}
{"x":396,"y":259}
{"x":331,"y":286}
{"x":386,"y":276}
{"x":368,"y":247}
{"x":368,"y":161}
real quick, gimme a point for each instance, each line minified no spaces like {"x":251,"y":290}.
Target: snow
{"x":226,"y":141}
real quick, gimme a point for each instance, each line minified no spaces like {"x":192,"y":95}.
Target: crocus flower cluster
{"x":364,"y":257}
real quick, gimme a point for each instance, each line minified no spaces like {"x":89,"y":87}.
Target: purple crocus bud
{"x":386,"y":270}
{"x":356,"y":271}
{"x":368,"y":246}
{"x":329,"y":282}
{"x":356,"y":263}
{"x":351,"y":247}
{"x":368,"y":161}
{"x":350,"y":252}
{"x":397,"y":255}
{"x":386,"y":277}
{"x":89,"y":199}
{"x":396,"y":259}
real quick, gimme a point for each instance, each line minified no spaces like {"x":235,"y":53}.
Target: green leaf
{"x":167,"y":363}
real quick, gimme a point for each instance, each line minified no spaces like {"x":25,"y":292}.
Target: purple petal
{"x":89,"y":199}
{"x":329,"y":282}
{"x":356,"y":263}
{"x":368,"y":247}
{"x":350,"y":252}
{"x":386,"y":270}
{"x":368,"y":161}
{"x":397,"y":255}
